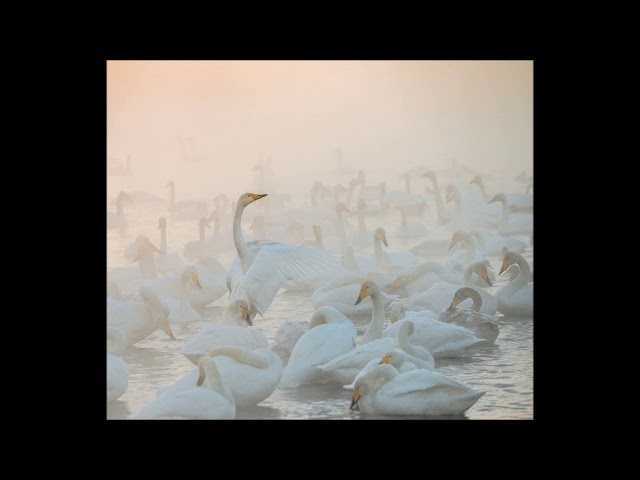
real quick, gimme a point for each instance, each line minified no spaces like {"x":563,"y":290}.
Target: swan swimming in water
{"x":330,"y":334}
{"x":489,"y":303}
{"x":287,"y":335}
{"x":386,"y":261}
{"x":516,"y":297}
{"x":482,"y":325}
{"x":209,"y":399}
{"x":117,"y":369}
{"x":384,"y":391}
{"x":512,"y":223}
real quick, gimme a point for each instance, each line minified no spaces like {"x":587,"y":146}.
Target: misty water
{"x":503,"y":370}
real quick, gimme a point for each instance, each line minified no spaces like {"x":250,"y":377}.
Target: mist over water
{"x":276,"y":127}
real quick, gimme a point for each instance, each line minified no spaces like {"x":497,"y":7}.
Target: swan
{"x":468,"y":255}
{"x":396,"y":357}
{"x":169,"y":261}
{"x":443,"y":215}
{"x":250,"y":375}
{"x":131,"y":250}
{"x":518,"y":202}
{"x":384,"y":391}
{"x":440,"y":338}
{"x":386,"y":261}
{"x":261,"y":275}
{"x":489,"y":302}
{"x":340,"y":292}
{"x":490,"y":244}
{"x":232,"y":331}
{"x":287,"y":335}
{"x":212,"y":277}
{"x":138,"y":320}
{"x":423,"y":277}
{"x":469,"y":217}
{"x":482,"y":325}
{"x":345,"y":368}
{"x":362,"y":264}
{"x":129,"y":279}
{"x":117,"y":369}
{"x":512,"y":223}
{"x":437,"y":298}
{"x":181,"y":311}
{"x":117,"y":219}
{"x":208,"y":399}
{"x":185,"y":210}
{"x":330,"y":334}
{"x":516,"y":297}
{"x":198,"y":248}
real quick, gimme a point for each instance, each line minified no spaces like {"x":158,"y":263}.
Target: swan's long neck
{"x":525,"y":273}
{"x":423,"y":268}
{"x":163,"y":238}
{"x":471,"y":250}
{"x":147,"y":265}
{"x":504,"y":220}
{"x":381,"y":260}
{"x":212,"y":380}
{"x":172,"y":196}
{"x":242,"y":355}
{"x":376,"y":327}
{"x":183,"y":295}
{"x":474,"y":294}
{"x":246,"y":258}
{"x":402,"y":340}
{"x":439,"y":203}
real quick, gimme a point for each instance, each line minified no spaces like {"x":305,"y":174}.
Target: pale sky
{"x":381,"y":113}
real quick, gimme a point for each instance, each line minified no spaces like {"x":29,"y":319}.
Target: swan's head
{"x":162,"y":222}
{"x":394,"y":357}
{"x":477,"y":180}
{"x":159,"y":309}
{"x":498,"y":198}
{"x":341,"y":207}
{"x":247,"y":198}
{"x":190,"y":273}
{"x":459,"y":236}
{"x":380,"y":234}
{"x":169,"y":184}
{"x":367,"y":288}
{"x":240,"y":307}
{"x":370,"y":380}
{"x":146,"y":247}
{"x":451,"y":194}
{"x":461,"y":295}
{"x":505,"y":250}
{"x":509,"y":259}
{"x":361,"y":204}
{"x":480,"y":268}
{"x":122,"y":196}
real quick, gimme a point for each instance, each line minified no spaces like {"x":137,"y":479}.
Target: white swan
{"x":338,"y":242}
{"x":263,"y":274}
{"x":117,"y":219}
{"x":516,"y":298}
{"x":489,"y":302}
{"x":209,"y":399}
{"x":181,"y":311}
{"x":439,"y":338}
{"x":168,"y":261}
{"x":518,"y":202}
{"x":330,"y":334}
{"x":512,"y":223}
{"x":232,"y":331}
{"x":131,"y":278}
{"x":138,"y":320}
{"x":444,"y":216}
{"x":469,"y":254}
{"x":345,"y":368}
{"x":387,"y":261}
{"x":482,"y":325}
{"x":117,"y":369}
{"x":212,"y":277}
{"x":436,"y":299}
{"x":196,"y":249}
{"x":384,"y":391}
{"x":423,"y":277}
{"x":396,"y":357}
{"x":317,"y":238}
{"x":339,"y":294}
{"x":490,"y":244}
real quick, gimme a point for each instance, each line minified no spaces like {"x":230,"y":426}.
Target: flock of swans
{"x":425,"y":303}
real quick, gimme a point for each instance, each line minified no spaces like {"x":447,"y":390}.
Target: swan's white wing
{"x":279,"y":263}
{"x":423,"y":380}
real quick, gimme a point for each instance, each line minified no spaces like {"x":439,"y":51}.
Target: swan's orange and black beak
{"x":385,"y":360}
{"x":505,"y":265}
{"x":395,"y":284}
{"x":454,"y":241}
{"x":361,"y":295}
{"x":384,"y":239}
{"x":195,"y":279}
{"x":257,"y":196}
{"x":449,"y":198}
{"x":454,"y":303}
{"x":355,"y":398}
{"x":200,"y":380}
{"x":485,"y":277}
{"x":494,"y":199}
{"x":245,"y":315}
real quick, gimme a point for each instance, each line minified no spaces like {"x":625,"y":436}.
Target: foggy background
{"x":205,"y":124}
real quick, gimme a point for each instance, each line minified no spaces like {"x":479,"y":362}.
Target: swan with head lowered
{"x":138,"y":320}
{"x":516,"y":297}
{"x":232,"y":331}
{"x":385,"y":391}
{"x":117,"y":369}
{"x":264,"y":272}
{"x":330,"y":335}
{"x":482,"y":325}
{"x":396,"y":357}
{"x":208,"y":399}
